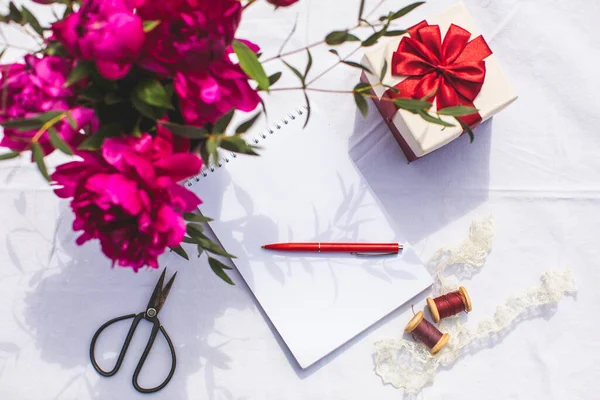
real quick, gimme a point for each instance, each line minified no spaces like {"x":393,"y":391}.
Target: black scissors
{"x":151,"y":314}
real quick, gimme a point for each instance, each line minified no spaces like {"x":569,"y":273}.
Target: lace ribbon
{"x":409,"y":365}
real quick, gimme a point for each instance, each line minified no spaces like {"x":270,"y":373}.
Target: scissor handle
{"x":134,"y":324}
{"x":157,"y":326}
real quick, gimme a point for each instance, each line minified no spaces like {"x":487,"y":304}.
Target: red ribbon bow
{"x":453,"y":69}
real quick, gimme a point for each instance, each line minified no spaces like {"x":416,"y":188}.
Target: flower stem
{"x":47,"y":126}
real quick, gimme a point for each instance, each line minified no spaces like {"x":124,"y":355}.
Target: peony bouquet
{"x":140,"y":93}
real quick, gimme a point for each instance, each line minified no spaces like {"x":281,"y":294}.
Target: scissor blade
{"x":165,"y":292}
{"x":156,"y":293}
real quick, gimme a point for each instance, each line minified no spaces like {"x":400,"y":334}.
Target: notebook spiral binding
{"x":228,"y":156}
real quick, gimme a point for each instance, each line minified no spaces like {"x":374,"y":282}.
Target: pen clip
{"x":373,"y":254}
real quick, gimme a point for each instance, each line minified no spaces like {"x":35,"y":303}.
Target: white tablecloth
{"x":535,"y":168}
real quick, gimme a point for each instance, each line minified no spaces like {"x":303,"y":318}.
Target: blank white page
{"x":305,"y":188}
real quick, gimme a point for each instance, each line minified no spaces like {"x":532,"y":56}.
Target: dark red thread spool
{"x":424,"y":332}
{"x":449,"y":304}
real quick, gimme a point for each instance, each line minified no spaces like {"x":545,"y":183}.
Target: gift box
{"x":445,"y":61}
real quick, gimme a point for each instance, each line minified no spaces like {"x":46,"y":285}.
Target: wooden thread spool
{"x":424,"y":332}
{"x":449,"y":304}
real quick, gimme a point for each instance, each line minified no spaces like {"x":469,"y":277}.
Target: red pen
{"x":321,"y":247}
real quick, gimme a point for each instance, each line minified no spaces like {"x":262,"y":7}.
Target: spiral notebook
{"x":305,"y":187}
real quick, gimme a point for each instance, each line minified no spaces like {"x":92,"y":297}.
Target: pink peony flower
{"x":206,"y":95}
{"x":107,"y":32}
{"x":282,"y":3}
{"x":35,"y":87}
{"x":191,"y":34}
{"x":127,"y":196}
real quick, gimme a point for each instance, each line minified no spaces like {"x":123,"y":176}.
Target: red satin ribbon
{"x":453,"y":69}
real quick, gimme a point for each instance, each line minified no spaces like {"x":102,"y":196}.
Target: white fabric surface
{"x":534,"y":167}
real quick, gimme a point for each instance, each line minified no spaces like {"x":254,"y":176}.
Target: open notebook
{"x":305,"y":187}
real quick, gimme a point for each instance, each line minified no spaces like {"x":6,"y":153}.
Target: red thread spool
{"x":424,"y":332}
{"x":449,"y":304}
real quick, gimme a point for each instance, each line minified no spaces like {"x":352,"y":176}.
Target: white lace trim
{"x":409,"y":365}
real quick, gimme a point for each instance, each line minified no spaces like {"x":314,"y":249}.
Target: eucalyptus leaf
{"x":308,"y":63}
{"x":180,"y":251}
{"x":338,"y":37}
{"x":250,"y":64}
{"x":371,"y":40}
{"x":212,"y":145}
{"x":274,"y":78}
{"x":14,"y":14}
{"x":8,"y":156}
{"x":190,"y":132}
{"x":361,"y":9}
{"x":361,"y":87}
{"x":457,"y":111}
{"x":403,"y":11}
{"x":357,"y":65}
{"x":58,"y":142}
{"x":383,"y":71}
{"x":238,"y":145}
{"x":222,"y":123}
{"x":150,"y":25}
{"x":362,"y":104}
{"x":334,"y":51}
{"x":81,"y":71}
{"x":152,"y":92}
{"x":307,"y":110}
{"x":194,"y":230}
{"x":28,"y":124}
{"x":32,"y":21}
{"x":38,"y":157}
{"x":411,"y":104}
{"x":219,"y":269}
{"x":467,"y":129}
{"x":395,"y":33}
{"x":296,"y":72}
{"x":193,"y":217}
{"x":146,"y":109}
{"x":94,"y":142}
{"x":429,"y":118}
{"x":289,"y":36}
{"x":243,"y":128}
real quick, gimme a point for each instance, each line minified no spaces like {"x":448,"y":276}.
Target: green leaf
{"x":209,"y":245}
{"x":371,"y":40}
{"x":82,"y":70}
{"x":412,"y":104}
{"x":14,"y":14}
{"x":243,"y":128}
{"x":2,"y":52}
{"x":94,"y":142}
{"x":357,"y":65}
{"x":32,"y":21}
{"x":212,"y":145}
{"x":383,"y":71}
{"x":362,"y":87}
{"x":150,"y":25}
{"x":194,"y":230}
{"x":289,"y":36}
{"x":151,"y":92}
{"x":250,"y":64}
{"x":458,"y":111}
{"x":113,"y":98}
{"x":361,"y":9}
{"x":296,"y":72}
{"x":145,"y":109}
{"x":58,"y":143}
{"x":395,"y":33}
{"x":307,"y":109}
{"x":238,"y":145}
{"x":222,"y":123}
{"x":28,"y":124}
{"x":219,"y":269}
{"x":334,"y":51}
{"x":308,"y":64}
{"x":193,"y":217}
{"x":429,"y":118}
{"x":338,"y":37}
{"x":179,"y":250}
{"x":200,"y":250}
{"x":362,"y":104}
{"x":274,"y":78}
{"x":191,"y":132}
{"x":467,"y":129}
{"x":8,"y":156}
{"x":402,"y":12}
{"x":38,"y":157}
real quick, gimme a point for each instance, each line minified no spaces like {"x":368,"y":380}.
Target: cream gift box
{"x":416,"y":136}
